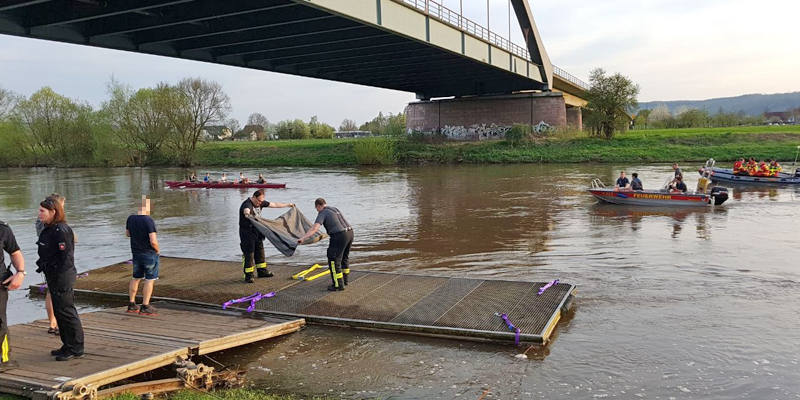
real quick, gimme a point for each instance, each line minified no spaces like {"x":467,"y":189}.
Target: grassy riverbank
{"x":645,"y":146}
{"x":670,"y":145}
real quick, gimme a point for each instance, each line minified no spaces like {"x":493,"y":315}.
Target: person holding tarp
{"x":251,"y":240}
{"x":341,"y":233}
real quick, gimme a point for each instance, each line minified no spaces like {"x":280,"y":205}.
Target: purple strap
{"x":548,"y":286}
{"x":43,"y":286}
{"x":253,"y":298}
{"x":510,"y":327}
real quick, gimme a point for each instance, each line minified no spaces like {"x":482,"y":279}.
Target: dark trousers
{"x":3,"y":319}
{"x":69,"y":324}
{"x":253,"y":257}
{"x":339,"y":257}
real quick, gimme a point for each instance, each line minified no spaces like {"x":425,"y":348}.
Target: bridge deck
{"x":121,"y":345}
{"x":441,"y":306}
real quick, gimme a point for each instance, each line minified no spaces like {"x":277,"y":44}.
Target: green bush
{"x":375,"y":151}
{"x":518,"y":134}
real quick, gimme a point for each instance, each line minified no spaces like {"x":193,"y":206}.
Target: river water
{"x":687,"y":304}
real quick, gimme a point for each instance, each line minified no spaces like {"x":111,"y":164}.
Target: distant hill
{"x":751,"y":104}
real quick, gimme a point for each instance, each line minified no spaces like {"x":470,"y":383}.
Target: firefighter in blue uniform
{"x":341,"y":233}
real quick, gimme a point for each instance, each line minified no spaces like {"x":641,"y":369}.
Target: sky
{"x":674,"y":49}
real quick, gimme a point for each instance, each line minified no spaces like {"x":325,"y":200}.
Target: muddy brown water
{"x":671,"y":304}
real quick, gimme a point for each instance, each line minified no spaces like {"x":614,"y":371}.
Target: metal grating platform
{"x":439,"y":306}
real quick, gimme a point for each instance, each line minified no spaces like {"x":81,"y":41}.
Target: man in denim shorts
{"x":144,"y":246}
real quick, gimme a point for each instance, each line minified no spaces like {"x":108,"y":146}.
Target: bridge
{"x":416,"y":46}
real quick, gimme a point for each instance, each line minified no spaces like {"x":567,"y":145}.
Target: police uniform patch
{"x":62,"y":246}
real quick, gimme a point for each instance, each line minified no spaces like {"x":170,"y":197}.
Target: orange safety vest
{"x":774,"y":169}
{"x":763,"y":169}
{"x":737,"y":166}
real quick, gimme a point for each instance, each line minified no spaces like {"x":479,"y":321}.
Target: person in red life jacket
{"x":738,"y":167}
{"x":774,"y":168}
{"x":763,"y":169}
{"x":752,"y":167}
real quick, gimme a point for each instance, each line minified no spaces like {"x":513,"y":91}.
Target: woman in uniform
{"x":56,"y":259}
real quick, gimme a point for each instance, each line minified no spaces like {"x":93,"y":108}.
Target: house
{"x":353,"y":134}
{"x":216,"y":132}
{"x":245,"y":136}
{"x":788,"y":117}
{"x":255,"y":129}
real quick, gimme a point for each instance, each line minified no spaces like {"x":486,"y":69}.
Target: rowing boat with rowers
{"x":221,"y":185}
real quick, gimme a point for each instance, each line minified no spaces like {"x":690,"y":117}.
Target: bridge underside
{"x":283,"y":36}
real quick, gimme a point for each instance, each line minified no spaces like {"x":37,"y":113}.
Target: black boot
{"x":336,"y":277}
{"x":248,"y":277}
{"x":345,"y":278}
{"x":264,"y":273}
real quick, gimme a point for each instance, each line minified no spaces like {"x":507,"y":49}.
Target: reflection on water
{"x":671,"y":303}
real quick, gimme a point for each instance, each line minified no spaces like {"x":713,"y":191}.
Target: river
{"x":687,"y":304}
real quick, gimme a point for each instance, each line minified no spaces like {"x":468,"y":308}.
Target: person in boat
{"x":223,"y":178}
{"x":251,"y":240}
{"x":636,"y":183}
{"x":341,"y":234}
{"x":739,"y":167}
{"x":193,"y":177}
{"x":242,"y":178}
{"x":207,"y":178}
{"x":752,"y":167}
{"x":678,"y":174}
{"x":774,"y":168}
{"x":679,"y":186}
{"x":261,"y":179}
{"x":622,"y":182}
{"x":763,"y":169}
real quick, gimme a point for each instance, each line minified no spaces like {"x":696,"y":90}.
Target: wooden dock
{"x":120,"y":346}
{"x":428,"y":305}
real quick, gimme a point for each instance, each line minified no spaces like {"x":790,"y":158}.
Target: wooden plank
{"x":126,"y":371}
{"x":255,"y":335}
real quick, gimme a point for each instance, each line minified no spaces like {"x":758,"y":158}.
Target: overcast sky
{"x":675,"y":49}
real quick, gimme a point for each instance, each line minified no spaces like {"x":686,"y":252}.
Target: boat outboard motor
{"x":719,"y":195}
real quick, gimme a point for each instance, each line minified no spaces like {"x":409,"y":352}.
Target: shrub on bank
{"x":375,"y":151}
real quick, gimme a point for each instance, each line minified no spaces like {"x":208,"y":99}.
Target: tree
{"x":391,"y":125}
{"x":56,"y":127}
{"x":320,"y":130}
{"x":693,"y":118}
{"x":642,"y":118}
{"x":140,"y":120}
{"x":612,"y":100}
{"x":8,"y":100}
{"x":197,"y":103}
{"x":258,"y":119}
{"x":292,"y":129}
{"x":234,"y":125}
{"x":348,"y":125}
{"x":660,"y":116}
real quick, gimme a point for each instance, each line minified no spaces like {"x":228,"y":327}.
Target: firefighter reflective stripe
{"x":346,"y":270}
{"x":333,"y":274}
{"x":5,"y":348}
{"x":261,"y":266}
{"x":249,"y":269}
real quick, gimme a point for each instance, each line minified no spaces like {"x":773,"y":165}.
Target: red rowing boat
{"x":217,"y":185}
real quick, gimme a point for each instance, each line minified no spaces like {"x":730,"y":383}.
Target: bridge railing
{"x":450,"y":17}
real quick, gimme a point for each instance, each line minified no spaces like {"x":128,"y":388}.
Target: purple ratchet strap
{"x":253,"y":298}
{"x":548,"y":286}
{"x":43,"y":286}
{"x":510,"y":326}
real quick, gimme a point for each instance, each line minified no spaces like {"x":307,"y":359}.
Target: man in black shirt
{"x":251,"y":240}
{"x":679,"y":186}
{"x":8,"y":244}
{"x":341,"y":234}
{"x":622,"y":182}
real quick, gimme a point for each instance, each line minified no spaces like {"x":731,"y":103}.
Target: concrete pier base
{"x":488,"y":117}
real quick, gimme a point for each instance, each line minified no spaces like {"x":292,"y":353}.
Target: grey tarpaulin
{"x":284,"y":231}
